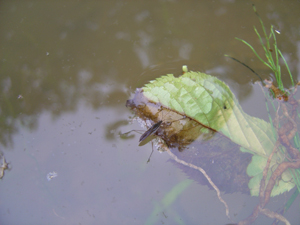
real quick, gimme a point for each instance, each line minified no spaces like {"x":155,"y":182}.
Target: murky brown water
{"x":67,"y":69}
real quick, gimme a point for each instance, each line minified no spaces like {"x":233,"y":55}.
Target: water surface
{"x":67,"y":69}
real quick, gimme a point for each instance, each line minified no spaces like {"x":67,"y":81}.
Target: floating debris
{"x":20,"y":97}
{"x":51,"y":175}
{"x":3,"y":167}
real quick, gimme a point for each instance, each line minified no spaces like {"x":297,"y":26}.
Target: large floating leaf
{"x":210,"y":103}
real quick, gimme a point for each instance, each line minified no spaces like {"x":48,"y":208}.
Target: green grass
{"x":272,"y":61}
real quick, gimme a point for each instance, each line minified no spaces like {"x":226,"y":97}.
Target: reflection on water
{"x":67,"y":69}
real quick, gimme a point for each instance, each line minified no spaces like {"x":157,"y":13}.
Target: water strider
{"x":154,"y":128}
{"x":151,"y":130}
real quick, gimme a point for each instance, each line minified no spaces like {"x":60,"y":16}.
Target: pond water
{"x":67,"y":69}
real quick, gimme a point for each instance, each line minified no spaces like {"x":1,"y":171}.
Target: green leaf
{"x":255,"y":169}
{"x":196,"y":95}
{"x":210,"y":102}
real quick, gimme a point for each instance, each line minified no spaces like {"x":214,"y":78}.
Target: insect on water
{"x":151,"y":130}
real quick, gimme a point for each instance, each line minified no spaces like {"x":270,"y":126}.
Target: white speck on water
{"x":51,"y":175}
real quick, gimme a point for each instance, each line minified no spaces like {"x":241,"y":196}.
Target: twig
{"x":164,"y":147}
{"x":265,"y":173}
{"x":275,"y":215}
